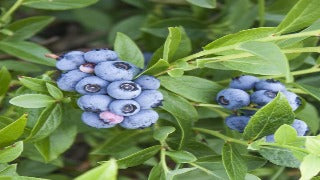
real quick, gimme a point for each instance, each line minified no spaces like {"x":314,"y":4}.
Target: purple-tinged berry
{"x":124,"y":107}
{"x":237,"y":123}
{"x":93,"y":120}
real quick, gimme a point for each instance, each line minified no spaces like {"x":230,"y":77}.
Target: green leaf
{"x":233,"y":162}
{"x":138,"y":157}
{"x":11,"y":153}
{"x":32,"y":101}
{"x":280,"y":156}
{"x":270,"y":53}
{"x":191,"y":87}
{"x":269,"y":118}
{"x":27,"y":51}
{"x":157,"y":173}
{"x":8,"y":170}
{"x":34,"y":84}
{"x":48,"y":121}
{"x":210,"y":4}
{"x":177,"y":44}
{"x":58,"y":142}
{"x":5,"y":79}
{"x":177,"y":72}
{"x":108,"y":170}
{"x":26,"y":28}
{"x":303,"y":14}
{"x":176,"y":172}
{"x":162,"y":133}
{"x":13,"y":131}
{"x":309,"y":114}
{"x":20,"y":66}
{"x":183,"y":112}
{"x":313,"y":145}
{"x":159,"y":67}
{"x":54,"y":91}
{"x":58,"y":4}
{"x":128,"y":50}
{"x":313,"y":91}
{"x":285,"y":134}
{"x":181,"y":156}
{"x":310,"y":166}
{"x":242,"y":36}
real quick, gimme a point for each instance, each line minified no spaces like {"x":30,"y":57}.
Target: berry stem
{"x":8,"y":14}
{"x":52,"y":56}
{"x":163,"y":160}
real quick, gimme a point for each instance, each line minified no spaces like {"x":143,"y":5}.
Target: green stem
{"x":13,"y":8}
{"x":278,"y":173}
{"x":163,"y":160}
{"x":218,"y":106}
{"x":221,"y":136}
{"x":204,"y":169}
{"x":261,"y":4}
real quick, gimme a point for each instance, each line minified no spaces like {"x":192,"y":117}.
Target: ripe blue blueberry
{"x":245,"y":82}
{"x":94,"y":103}
{"x":92,"y":85}
{"x":124,"y":89}
{"x":100,"y":55}
{"x":300,"y":126}
{"x":237,"y":123}
{"x":270,"y":138}
{"x":233,"y":98}
{"x":148,"y":82}
{"x":149,"y":99}
{"x":270,"y":84}
{"x":116,"y":70}
{"x":93,"y":120}
{"x":262,"y":97}
{"x":294,"y":100}
{"x":70,"y":61}
{"x":124,"y":107}
{"x":143,"y":119}
{"x":68,"y":81}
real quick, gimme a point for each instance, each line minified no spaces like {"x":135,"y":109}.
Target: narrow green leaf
{"x":108,"y":170}
{"x":54,"y":91}
{"x":191,"y":87}
{"x":32,"y":101}
{"x":269,"y":118}
{"x":313,"y":145}
{"x":210,"y":4}
{"x":181,"y":156}
{"x":162,"y":133}
{"x":5,"y":79}
{"x":157,"y":173}
{"x":233,"y":162}
{"x":159,"y":67}
{"x":138,"y":157}
{"x":128,"y":50}
{"x":303,"y":14}
{"x":310,"y":166}
{"x":58,"y":4}
{"x":20,"y":66}
{"x":27,"y":51}
{"x":49,"y":120}
{"x":13,"y":131}
{"x":8,"y":171}
{"x":313,"y":91}
{"x":184,"y":113}
{"x":285,"y":134}
{"x":34,"y":84}
{"x":26,"y":28}
{"x":11,"y":153}
{"x":177,"y":72}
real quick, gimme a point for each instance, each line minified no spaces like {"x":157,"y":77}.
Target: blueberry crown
{"x":129,"y":108}
{"x":92,"y":88}
{"x":129,"y":86}
{"x":122,"y":65}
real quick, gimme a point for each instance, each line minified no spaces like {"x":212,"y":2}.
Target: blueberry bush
{"x":159,"y":89}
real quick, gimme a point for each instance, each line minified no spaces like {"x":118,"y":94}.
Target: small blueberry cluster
{"x":111,"y":95}
{"x":250,"y":91}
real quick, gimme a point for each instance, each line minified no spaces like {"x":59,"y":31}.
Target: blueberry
{"x":92,"y":85}
{"x":68,"y":81}
{"x":100,"y":55}
{"x":143,"y":119}
{"x":237,"y":123}
{"x":93,"y":120}
{"x":124,"y":107}
{"x":294,"y":100}
{"x":233,"y":98}
{"x":111,"y":117}
{"x":149,"y":99}
{"x":147,"y":58}
{"x":95,"y":103}
{"x":70,"y":61}
{"x":300,"y":126}
{"x":148,"y":82}
{"x":270,"y":84}
{"x":116,"y":70}
{"x":262,"y":97}
{"x":124,"y":89}
{"x":270,"y":138}
{"x":245,"y":82}
{"x":87,"y":67}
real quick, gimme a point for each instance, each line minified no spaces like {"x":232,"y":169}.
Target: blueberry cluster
{"x":250,"y":91}
{"x":111,"y":95}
